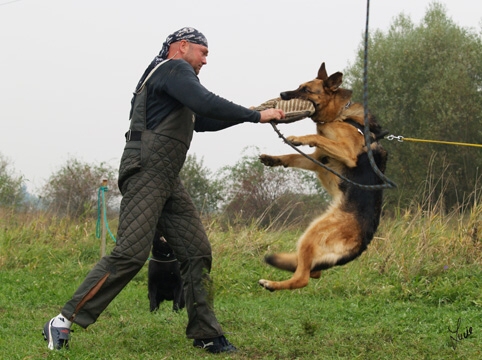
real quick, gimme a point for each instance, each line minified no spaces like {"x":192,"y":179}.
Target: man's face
{"x":196,"y":56}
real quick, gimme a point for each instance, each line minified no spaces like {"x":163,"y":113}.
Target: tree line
{"x":425,"y":82}
{"x":240,"y":193}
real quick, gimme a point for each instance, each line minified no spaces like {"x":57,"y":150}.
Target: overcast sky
{"x":68,"y":67}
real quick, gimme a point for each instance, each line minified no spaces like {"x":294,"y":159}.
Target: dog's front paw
{"x":266,"y":284}
{"x":294,"y":140}
{"x":269,"y":160}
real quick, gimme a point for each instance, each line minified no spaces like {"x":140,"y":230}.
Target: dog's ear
{"x":334,"y":81}
{"x":322,"y":75}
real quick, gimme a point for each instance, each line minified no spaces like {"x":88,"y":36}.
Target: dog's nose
{"x":284,"y":96}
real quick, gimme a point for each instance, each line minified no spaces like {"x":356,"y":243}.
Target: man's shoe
{"x":57,"y":337}
{"x":215,"y":345}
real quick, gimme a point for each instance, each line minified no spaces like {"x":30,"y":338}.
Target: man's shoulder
{"x":176,"y":66}
{"x":179,"y":64}
{"x":166,"y":67}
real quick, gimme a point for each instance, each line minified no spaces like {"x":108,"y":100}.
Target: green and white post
{"x":103,"y":220}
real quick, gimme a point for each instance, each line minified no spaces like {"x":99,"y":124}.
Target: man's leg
{"x":182,"y":227}
{"x":144,"y":194}
{"x":140,"y":208}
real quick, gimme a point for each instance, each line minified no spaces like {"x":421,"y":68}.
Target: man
{"x":168,"y":105}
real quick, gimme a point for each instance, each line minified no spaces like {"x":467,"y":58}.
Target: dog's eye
{"x":306,"y":90}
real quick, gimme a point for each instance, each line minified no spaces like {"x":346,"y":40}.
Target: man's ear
{"x":183,"y":47}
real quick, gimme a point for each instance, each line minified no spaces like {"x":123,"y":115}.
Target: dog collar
{"x":353,"y":123}
{"x":361,"y":129}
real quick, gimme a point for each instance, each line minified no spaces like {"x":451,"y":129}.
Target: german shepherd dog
{"x":344,"y":231}
{"x":164,"y":276}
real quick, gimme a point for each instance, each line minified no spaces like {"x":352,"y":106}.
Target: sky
{"x":68,"y":68}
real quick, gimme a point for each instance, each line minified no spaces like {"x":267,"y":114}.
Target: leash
{"x":402,"y":139}
{"x":365,"y":187}
{"x":387,"y":183}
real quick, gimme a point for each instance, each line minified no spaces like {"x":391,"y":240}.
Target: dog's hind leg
{"x":289,"y":262}
{"x":299,"y":279}
{"x":302,"y":260}
{"x":153,"y":304}
{"x":178,"y":301}
{"x":332,"y":239}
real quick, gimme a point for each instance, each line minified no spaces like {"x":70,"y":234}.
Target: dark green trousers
{"x":153,"y":197}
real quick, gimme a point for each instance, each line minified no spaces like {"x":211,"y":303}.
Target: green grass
{"x":418,"y":277}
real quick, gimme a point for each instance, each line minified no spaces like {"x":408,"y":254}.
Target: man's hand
{"x":271,"y":114}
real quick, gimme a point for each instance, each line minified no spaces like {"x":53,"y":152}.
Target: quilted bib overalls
{"x":153,"y":197}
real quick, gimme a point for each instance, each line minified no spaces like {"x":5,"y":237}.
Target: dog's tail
{"x":283,"y":261}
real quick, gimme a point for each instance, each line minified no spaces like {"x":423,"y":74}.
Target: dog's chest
{"x":335,"y":130}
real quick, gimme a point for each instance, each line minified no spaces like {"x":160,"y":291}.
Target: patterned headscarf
{"x":187,"y":33}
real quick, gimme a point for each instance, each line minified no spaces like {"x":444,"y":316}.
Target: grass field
{"x":404,"y":298}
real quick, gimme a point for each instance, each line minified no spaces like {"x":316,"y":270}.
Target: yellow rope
{"x":402,"y":139}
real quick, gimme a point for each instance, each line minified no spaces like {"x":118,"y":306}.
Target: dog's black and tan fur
{"x":344,"y":231}
{"x":164,"y":276}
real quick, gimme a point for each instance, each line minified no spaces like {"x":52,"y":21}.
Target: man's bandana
{"x":187,"y":33}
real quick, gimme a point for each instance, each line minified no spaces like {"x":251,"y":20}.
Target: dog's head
{"x":161,"y":249}
{"x":324,"y":93}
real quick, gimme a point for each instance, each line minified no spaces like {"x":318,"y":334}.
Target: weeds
{"x":396,"y":301}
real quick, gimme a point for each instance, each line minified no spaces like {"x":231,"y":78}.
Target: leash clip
{"x":393,"y":137}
